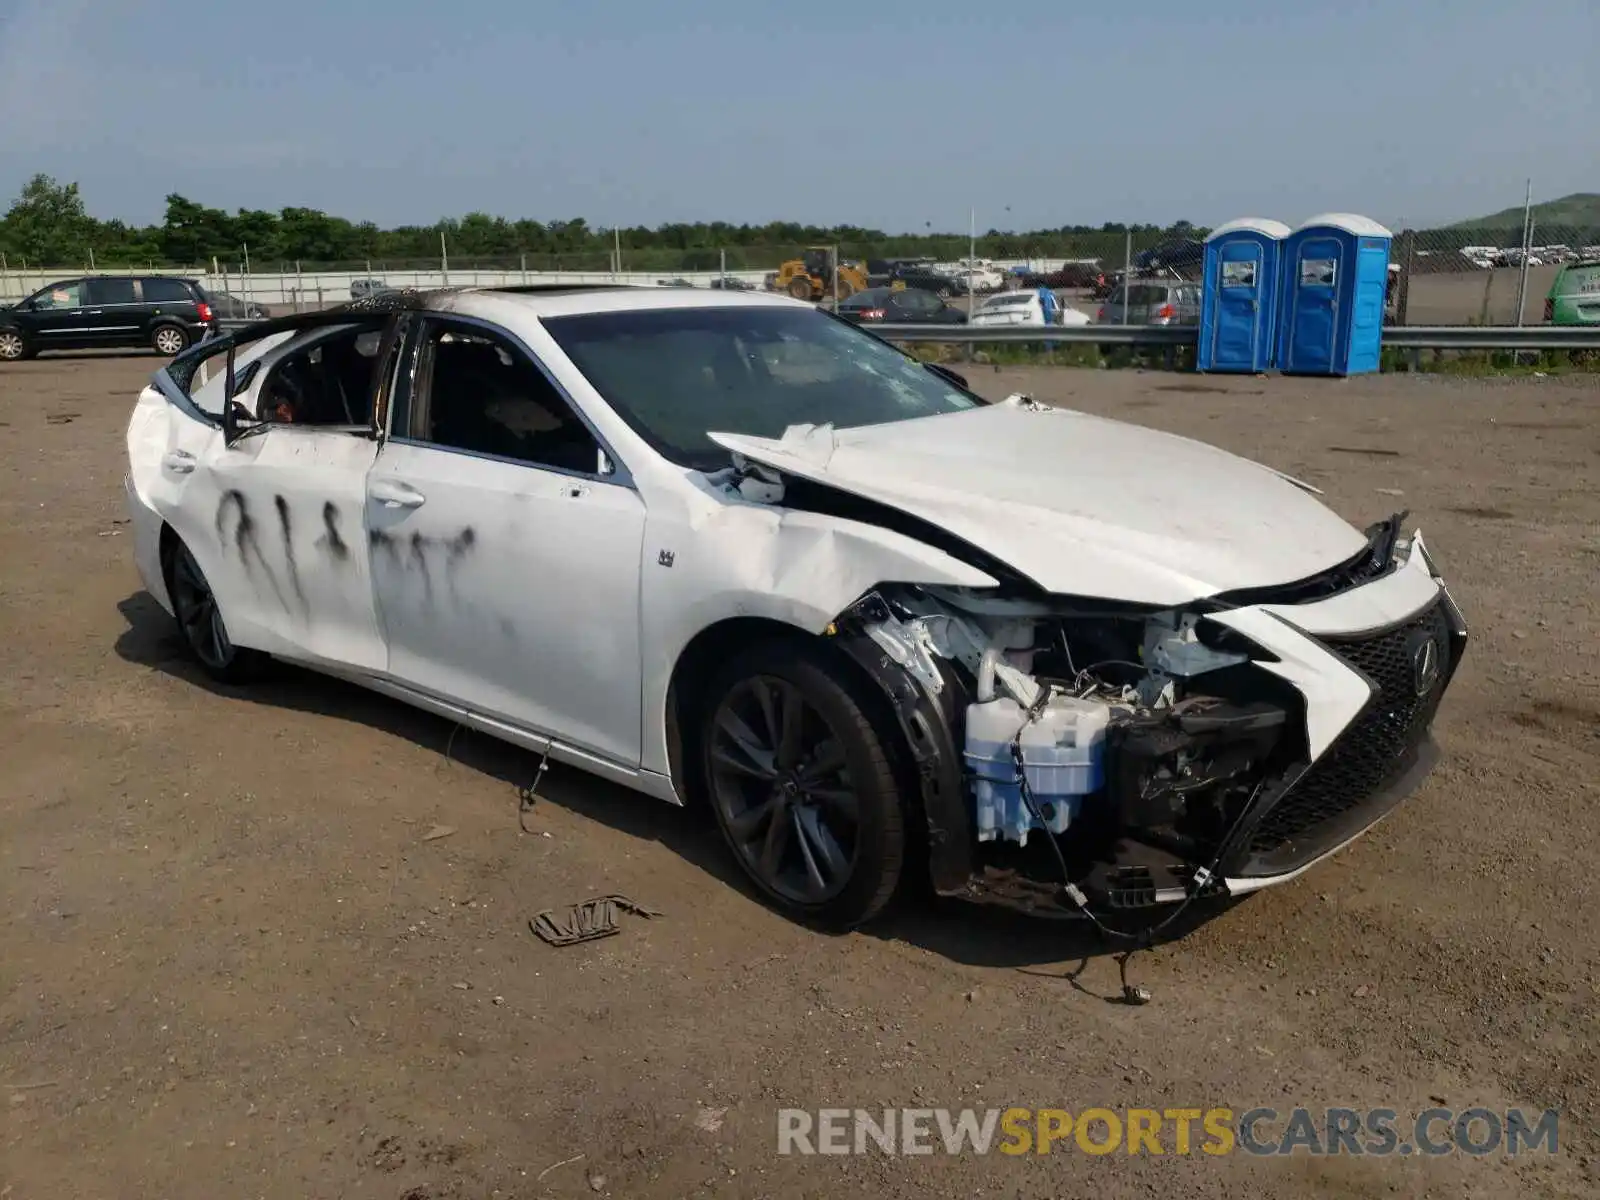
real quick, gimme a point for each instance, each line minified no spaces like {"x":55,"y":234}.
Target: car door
{"x":112,"y":312}
{"x":55,"y":316}
{"x":505,"y":543}
{"x":272,"y":511}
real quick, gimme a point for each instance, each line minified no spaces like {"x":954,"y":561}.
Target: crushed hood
{"x":1078,"y":504}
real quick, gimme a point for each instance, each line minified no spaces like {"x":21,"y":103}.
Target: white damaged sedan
{"x":726,"y":546}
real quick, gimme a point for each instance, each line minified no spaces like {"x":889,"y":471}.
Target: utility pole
{"x":1527,"y":247}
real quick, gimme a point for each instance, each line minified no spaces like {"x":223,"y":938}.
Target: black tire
{"x":829,"y":854}
{"x":169,"y":339}
{"x":14,"y":346}
{"x":200,"y":622}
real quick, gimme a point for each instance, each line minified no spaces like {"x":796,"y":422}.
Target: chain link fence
{"x":1476,"y":276}
{"x":1441,"y":277}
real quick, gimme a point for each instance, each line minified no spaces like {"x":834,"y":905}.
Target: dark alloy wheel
{"x":200,"y":620}
{"x":801,"y":786}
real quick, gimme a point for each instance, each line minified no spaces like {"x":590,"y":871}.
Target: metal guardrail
{"x":1406,"y":337}
{"x":1493,"y":337}
{"x":1400,"y":336}
{"x":1095,"y":335}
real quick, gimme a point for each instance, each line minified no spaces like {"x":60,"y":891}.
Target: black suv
{"x":159,"y":311}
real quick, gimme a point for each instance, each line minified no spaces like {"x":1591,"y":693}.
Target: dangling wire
{"x":1132,"y":994}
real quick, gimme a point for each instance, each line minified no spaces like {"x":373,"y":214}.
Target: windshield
{"x":1010,"y":300}
{"x":676,"y":375}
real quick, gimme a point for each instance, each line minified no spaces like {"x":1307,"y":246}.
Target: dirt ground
{"x":233,"y":963}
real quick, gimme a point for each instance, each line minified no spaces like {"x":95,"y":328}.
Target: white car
{"x":980,"y":277}
{"x":726,"y":546}
{"x":1024,"y":308}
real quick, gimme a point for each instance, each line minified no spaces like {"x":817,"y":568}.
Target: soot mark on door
{"x":286,"y":526}
{"x":332,"y":540}
{"x":237,"y":526}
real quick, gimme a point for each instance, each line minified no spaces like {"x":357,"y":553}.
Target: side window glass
{"x":166,"y":291}
{"x":60,"y":295}
{"x":484,"y":396}
{"x":111,"y":291}
{"x":327,"y":383}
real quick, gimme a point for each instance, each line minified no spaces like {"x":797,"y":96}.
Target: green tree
{"x":192,"y":233}
{"x":47,"y":224}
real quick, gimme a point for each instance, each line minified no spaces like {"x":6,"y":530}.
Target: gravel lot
{"x":232,"y":963}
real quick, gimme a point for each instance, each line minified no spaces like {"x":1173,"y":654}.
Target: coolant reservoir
{"x":1063,"y":753}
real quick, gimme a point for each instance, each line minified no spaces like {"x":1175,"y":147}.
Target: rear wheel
{"x":801,"y":785}
{"x":13,"y":346}
{"x":169,"y":339}
{"x":200,"y":621}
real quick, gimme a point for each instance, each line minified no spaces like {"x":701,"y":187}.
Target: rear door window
{"x":112,"y":291}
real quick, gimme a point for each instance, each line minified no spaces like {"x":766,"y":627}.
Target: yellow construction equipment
{"x":811,"y":276}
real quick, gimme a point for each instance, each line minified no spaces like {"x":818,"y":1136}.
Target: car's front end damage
{"x":1140,"y":757}
{"x":1076,"y":752}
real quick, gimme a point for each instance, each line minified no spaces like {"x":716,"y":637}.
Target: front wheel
{"x":801,"y":785}
{"x":200,"y":621}
{"x":13,"y":346}
{"x":169,"y":339}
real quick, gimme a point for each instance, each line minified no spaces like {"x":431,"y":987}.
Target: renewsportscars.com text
{"x":1378,"y":1132}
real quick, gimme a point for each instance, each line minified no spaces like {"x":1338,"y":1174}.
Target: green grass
{"x":1394,"y":360}
{"x":1068,"y":354}
{"x":1490,"y":362}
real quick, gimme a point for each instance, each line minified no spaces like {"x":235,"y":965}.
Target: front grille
{"x":1373,"y":750}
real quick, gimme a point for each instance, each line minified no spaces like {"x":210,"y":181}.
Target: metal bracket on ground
{"x":587,"y":921}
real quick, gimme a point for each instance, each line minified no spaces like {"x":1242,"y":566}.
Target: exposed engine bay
{"x":1126,"y":739}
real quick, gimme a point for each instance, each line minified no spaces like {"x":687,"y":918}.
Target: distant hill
{"x":1581,"y":209}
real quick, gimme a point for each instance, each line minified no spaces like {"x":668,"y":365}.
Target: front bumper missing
{"x":1367,"y":748}
{"x":1146,"y":881}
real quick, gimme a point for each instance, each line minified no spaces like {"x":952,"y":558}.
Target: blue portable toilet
{"x":1335,"y":277}
{"x":1239,"y":296}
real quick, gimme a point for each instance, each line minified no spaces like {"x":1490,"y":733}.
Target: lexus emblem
{"x":1425,"y":665}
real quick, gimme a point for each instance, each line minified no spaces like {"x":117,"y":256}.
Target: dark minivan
{"x":160,"y":311}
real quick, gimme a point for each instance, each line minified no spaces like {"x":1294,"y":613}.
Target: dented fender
{"x":720,"y":560}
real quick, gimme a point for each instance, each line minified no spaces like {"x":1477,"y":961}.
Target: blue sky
{"x":886,"y":114}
